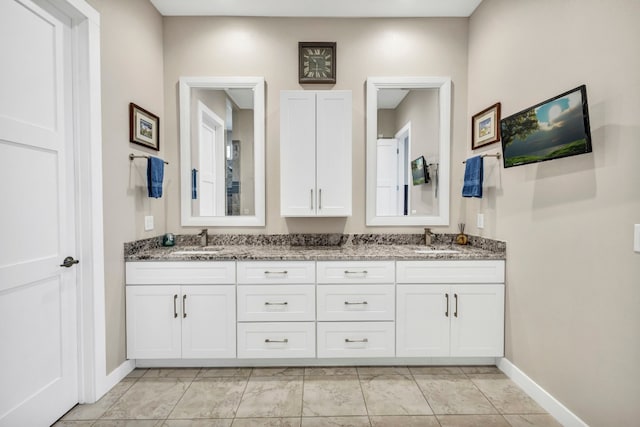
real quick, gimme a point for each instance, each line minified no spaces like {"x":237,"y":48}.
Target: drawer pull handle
{"x":355,"y":303}
{"x":356,"y":272}
{"x":184,"y":306}
{"x":276,"y":303}
{"x":362,"y":340}
{"x":446,"y":313}
{"x":286,"y":340}
{"x":175,"y":310}
{"x":455,"y":313}
{"x":276,"y":272}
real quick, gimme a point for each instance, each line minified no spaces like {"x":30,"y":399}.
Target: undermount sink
{"x":436,"y":251}
{"x":197,"y":250}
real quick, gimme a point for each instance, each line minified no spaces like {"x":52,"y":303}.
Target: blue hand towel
{"x":472,"y":186}
{"x":155,"y":174}
{"x":194,"y":184}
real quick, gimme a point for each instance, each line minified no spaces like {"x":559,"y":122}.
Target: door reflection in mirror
{"x":408,"y":129}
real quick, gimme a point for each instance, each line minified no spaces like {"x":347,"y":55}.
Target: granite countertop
{"x":348,"y":248}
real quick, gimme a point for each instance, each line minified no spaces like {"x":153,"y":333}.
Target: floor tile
{"x":220,"y":422}
{"x":472,"y":421}
{"x":137,"y":373}
{"x":128,"y":423}
{"x":330,"y":370}
{"x":505,"y":395}
{"x":333,"y":396}
{"x":94,"y":411}
{"x":404,"y":421}
{"x":532,"y":420}
{"x":172,"y":373}
{"x":210,"y":398}
{"x":480,"y":370}
{"x":72,"y":423}
{"x":433,"y":370}
{"x":335,"y":422}
{"x":152,"y":398}
{"x":272,"y":397}
{"x":383,"y":370}
{"x":266,"y":422}
{"x":275,"y":372}
{"x":224,"y":372}
{"x":453,"y":394}
{"x":393,"y":395}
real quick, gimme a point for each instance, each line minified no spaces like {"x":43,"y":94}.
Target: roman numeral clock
{"x":317,"y":62}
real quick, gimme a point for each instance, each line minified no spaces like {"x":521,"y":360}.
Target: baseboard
{"x":115,"y":376}
{"x":549,"y":403}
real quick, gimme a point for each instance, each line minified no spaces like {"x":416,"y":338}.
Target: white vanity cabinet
{"x":276,"y":309}
{"x":315,"y":153}
{"x":450,"y":309}
{"x":180,"y":310}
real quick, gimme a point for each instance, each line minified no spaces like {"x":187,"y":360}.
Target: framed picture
{"x":144,"y":127}
{"x":485,"y":127}
{"x":316,"y":62}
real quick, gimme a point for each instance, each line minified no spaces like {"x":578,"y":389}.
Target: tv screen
{"x":558,"y":127}
{"x":419,"y":171}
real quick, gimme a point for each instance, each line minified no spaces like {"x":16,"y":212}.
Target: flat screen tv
{"x":555,"y":128}
{"x":419,"y":172}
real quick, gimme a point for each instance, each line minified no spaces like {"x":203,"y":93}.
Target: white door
{"x":333,"y":153}
{"x":298,"y":153}
{"x":477,"y":325}
{"x":208,"y":321}
{"x":211,"y":162}
{"x":387,"y":185}
{"x":38,"y":354}
{"x":422,"y":320}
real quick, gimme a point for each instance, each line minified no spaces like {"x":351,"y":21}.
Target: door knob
{"x":68,"y":262}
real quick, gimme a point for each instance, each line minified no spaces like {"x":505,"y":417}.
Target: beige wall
{"x":268,"y":47}
{"x":132,"y":58}
{"x":573,"y":281}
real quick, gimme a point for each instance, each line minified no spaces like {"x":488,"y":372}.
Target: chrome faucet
{"x":204,"y":235}
{"x":427,"y":236}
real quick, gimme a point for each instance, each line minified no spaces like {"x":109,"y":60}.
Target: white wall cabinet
{"x":315,"y":153}
{"x":449,"y":319}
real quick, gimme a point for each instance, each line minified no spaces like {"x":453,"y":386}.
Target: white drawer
{"x":356,"y":302}
{"x":270,"y":272}
{"x":276,"y":340}
{"x":180,"y":273}
{"x":450,"y":272}
{"x":356,"y":339}
{"x":356,"y":272}
{"x":275,"y":303}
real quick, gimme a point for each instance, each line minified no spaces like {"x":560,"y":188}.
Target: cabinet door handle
{"x":286,"y":340}
{"x":276,"y":303}
{"x":455,"y":297}
{"x":175,"y":309}
{"x":356,"y":272}
{"x":362,"y":340}
{"x":184,"y":306}
{"x":277,"y":272}
{"x":320,"y":199}
{"x":311,"y":199}
{"x":446,"y":313}
{"x":355,"y":303}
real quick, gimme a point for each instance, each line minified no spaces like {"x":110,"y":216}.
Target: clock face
{"x":317,"y":64}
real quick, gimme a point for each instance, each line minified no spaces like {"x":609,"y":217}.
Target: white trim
{"x":119,"y":373}
{"x":540,"y":395}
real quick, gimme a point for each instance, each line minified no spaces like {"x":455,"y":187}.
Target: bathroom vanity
{"x":245,"y":305}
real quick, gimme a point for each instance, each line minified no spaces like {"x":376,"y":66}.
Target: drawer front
{"x":276,"y":272}
{"x":356,"y":302}
{"x":356,"y":272}
{"x":180,"y":273}
{"x":356,"y":339}
{"x":276,"y":340}
{"x":450,"y":272}
{"x":276,"y":303}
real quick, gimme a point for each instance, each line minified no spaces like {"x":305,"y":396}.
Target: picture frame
{"x":144,"y":127}
{"x":485,"y":127}
{"x":317,"y":62}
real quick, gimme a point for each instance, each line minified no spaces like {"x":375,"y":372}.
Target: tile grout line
{"x":304,"y":374}
{"x":235,"y":412}
{"x":486,"y":397}
{"x":183,"y":393}
{"x":364,"y":399}
{"x":423,"y":395}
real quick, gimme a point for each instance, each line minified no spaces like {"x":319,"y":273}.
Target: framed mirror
{"x":408,"y":151}
{"x":222,"y":180}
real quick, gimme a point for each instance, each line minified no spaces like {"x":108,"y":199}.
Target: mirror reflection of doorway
{"x":392,"y":198}
{"x":233,"y":175}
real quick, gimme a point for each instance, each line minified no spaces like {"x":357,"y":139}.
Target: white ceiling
{"x":318,"y":8}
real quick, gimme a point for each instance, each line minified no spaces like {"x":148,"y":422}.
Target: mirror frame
{"x":257,"y":85}
{"x":443,"y":84}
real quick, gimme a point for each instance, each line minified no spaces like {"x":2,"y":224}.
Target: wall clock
{"x":317,"y":62}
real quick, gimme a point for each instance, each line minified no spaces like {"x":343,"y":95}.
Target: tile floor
{"x":314,"y":396}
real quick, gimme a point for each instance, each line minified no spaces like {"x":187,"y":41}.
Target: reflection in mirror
{"x":222,"y":150}
{"x":408,"y":151}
